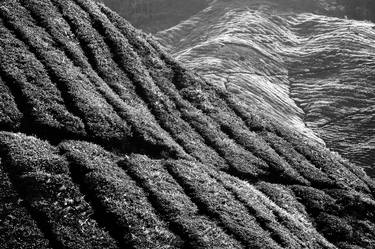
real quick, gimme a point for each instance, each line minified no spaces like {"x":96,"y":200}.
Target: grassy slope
{"x":112,"y":144}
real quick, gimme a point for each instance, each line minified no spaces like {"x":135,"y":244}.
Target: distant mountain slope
{"x":294,"y":66}
{"x":107,"y":142}
{"x":156,"y":15}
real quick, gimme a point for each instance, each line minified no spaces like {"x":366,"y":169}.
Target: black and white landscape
{"x":309,"y":71}
{"x":238,"y":124}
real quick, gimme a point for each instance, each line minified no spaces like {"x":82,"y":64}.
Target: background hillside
{"x":296,"y":67}
{"x":156,"y":15}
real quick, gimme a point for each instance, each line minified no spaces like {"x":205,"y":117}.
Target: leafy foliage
{"x":149,"y":155}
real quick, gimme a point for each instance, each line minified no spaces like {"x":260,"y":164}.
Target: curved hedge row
{"x":107,"y":142}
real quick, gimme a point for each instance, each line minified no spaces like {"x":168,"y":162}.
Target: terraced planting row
{"x":75,"y":190}
{"x":107,"y":142}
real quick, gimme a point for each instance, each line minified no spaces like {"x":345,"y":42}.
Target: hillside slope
{"x":155,"y":15}
{"x":295,"y":66}
{"x":107,"y":142}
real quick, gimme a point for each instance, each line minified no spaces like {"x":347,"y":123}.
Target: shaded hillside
{"x":107,"y":142}
{"x":296,"y":67}
{"x":359,"y":9}
{"x":155,"y":15}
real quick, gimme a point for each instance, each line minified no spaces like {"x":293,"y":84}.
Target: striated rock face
{"x":156,"y":15}
{"x":295,"y":67}
{"x":107,"y":142}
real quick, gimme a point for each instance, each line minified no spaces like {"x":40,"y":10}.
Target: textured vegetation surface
{"x":107,"y":142}
{"x":295,"y":66}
